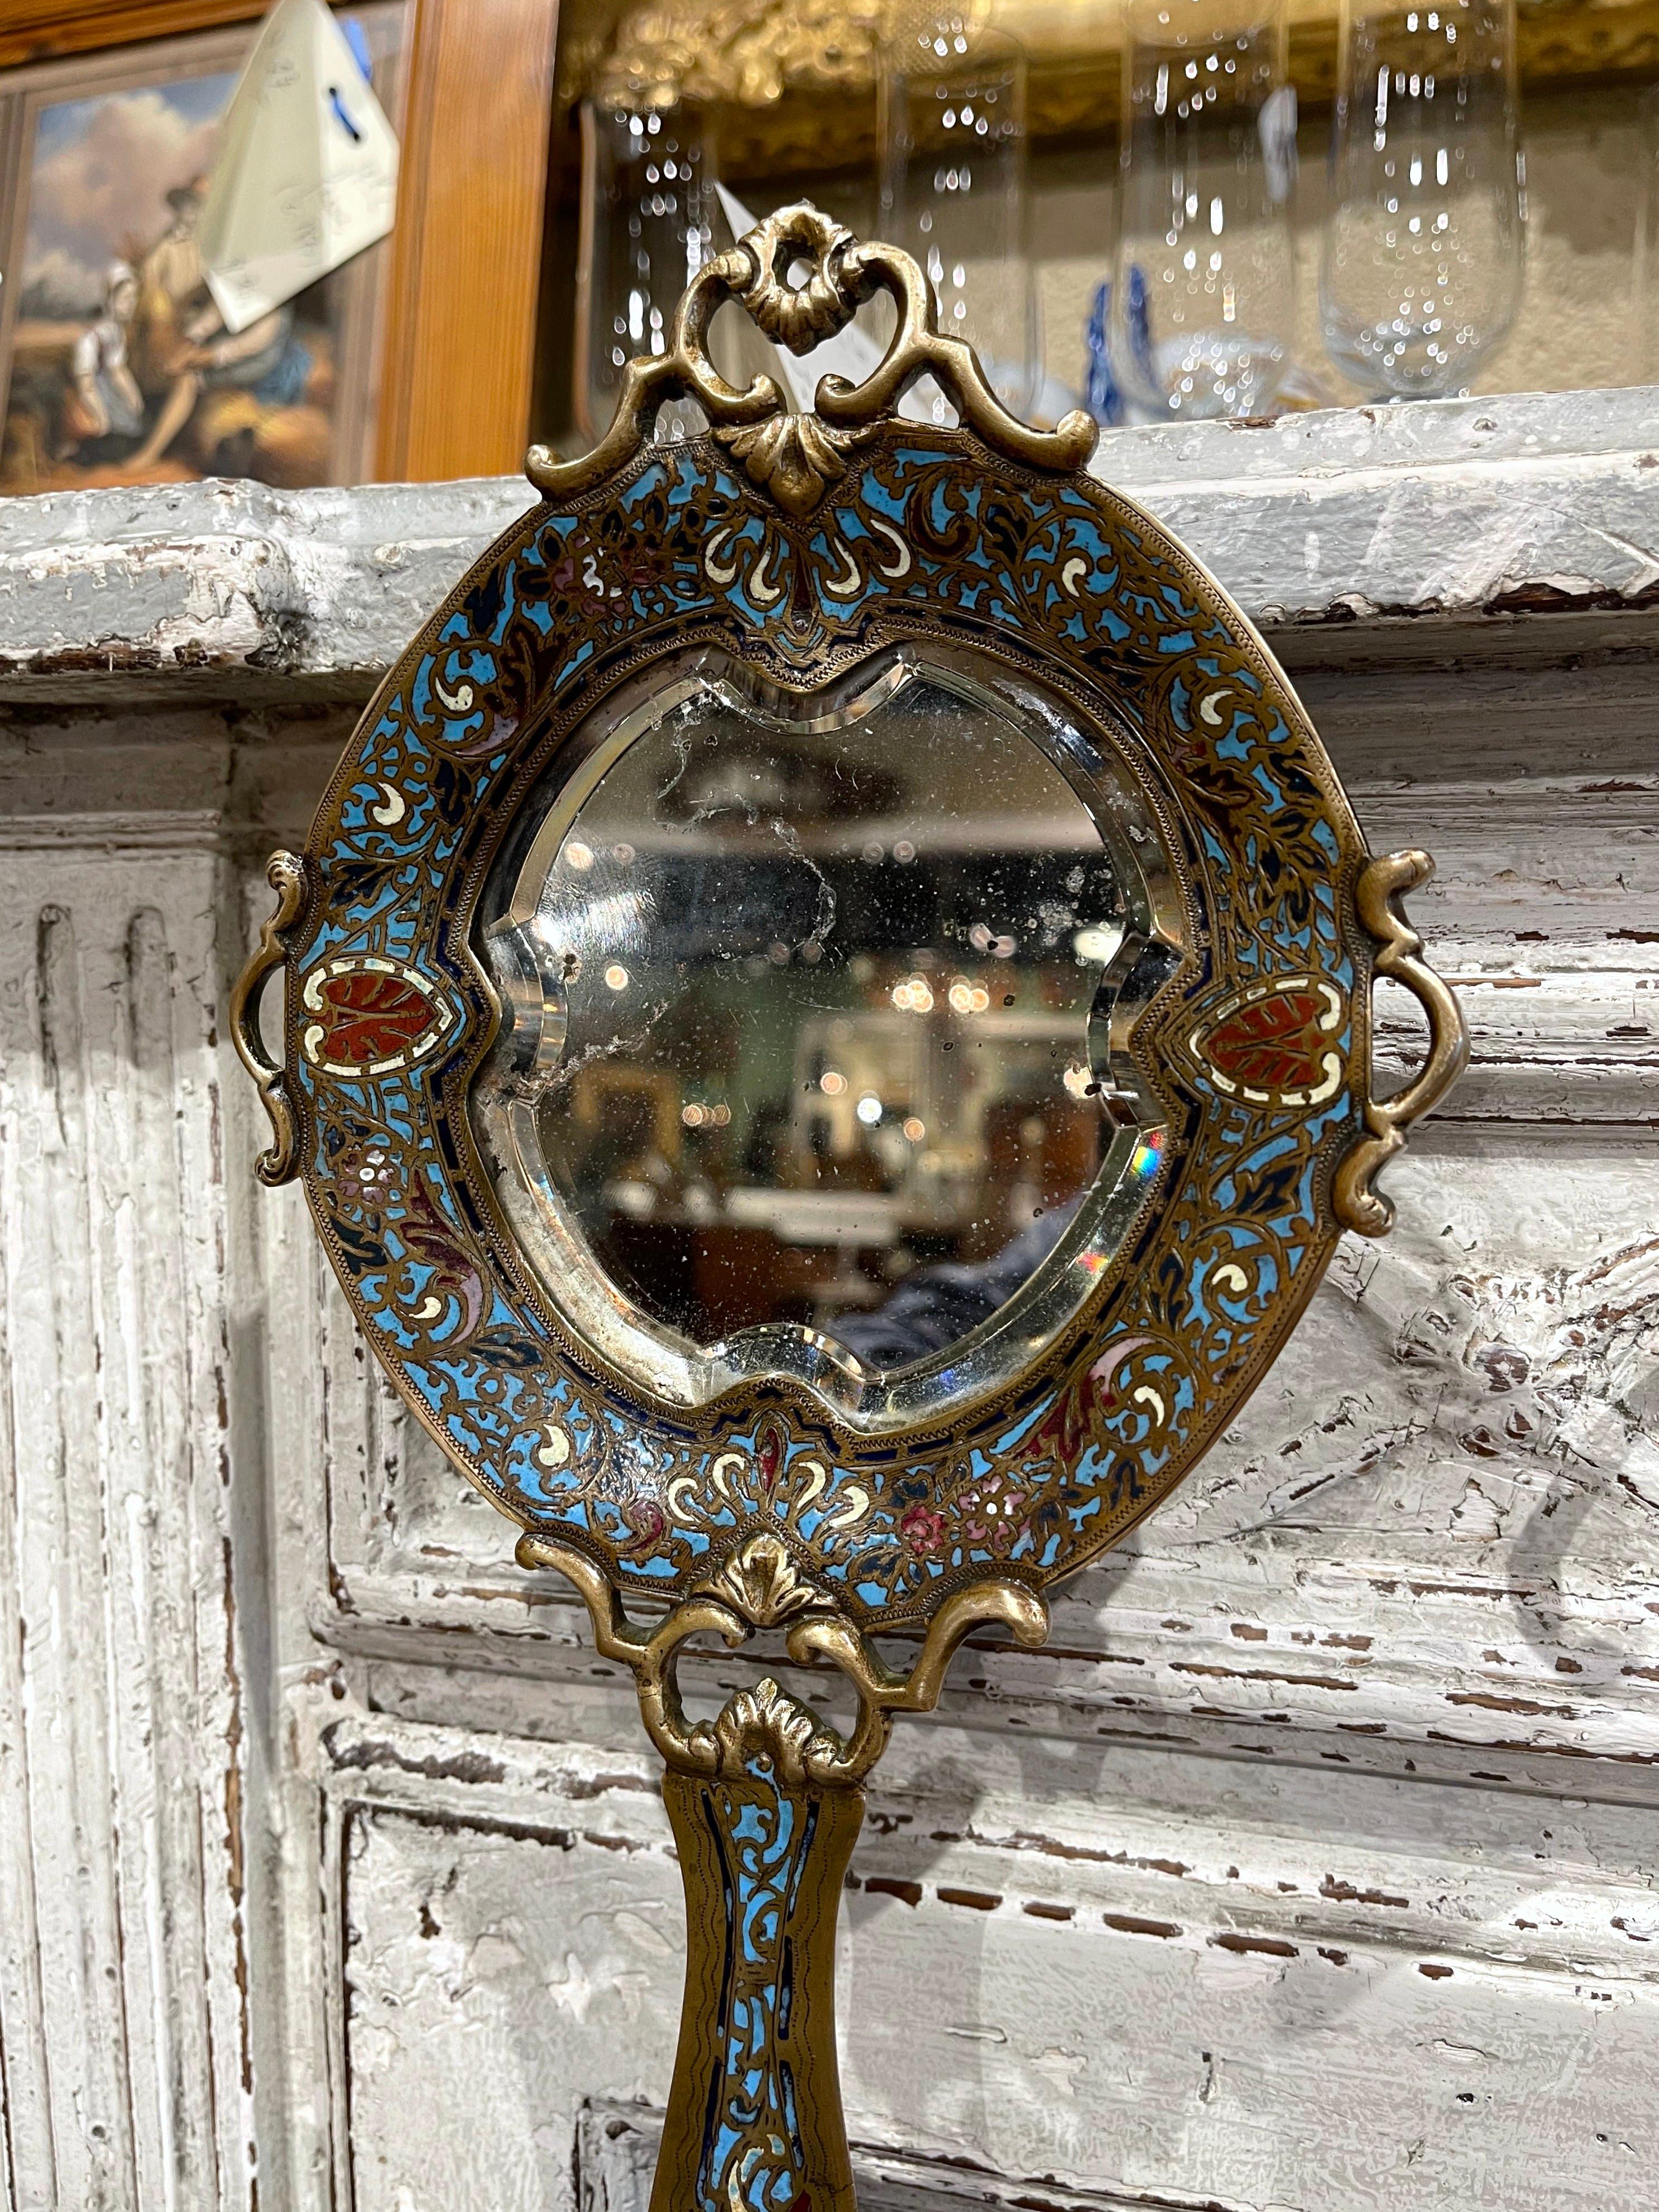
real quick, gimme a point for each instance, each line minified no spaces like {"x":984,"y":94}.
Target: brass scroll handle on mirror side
{"x":797,"y":457}
{"x":279,"y":1162}
{"x":1382,"y":883}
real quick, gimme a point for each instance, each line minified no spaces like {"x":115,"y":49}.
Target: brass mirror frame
{"x":803,"y":545}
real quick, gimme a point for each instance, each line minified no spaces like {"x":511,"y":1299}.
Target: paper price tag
{"x":307,"y":170}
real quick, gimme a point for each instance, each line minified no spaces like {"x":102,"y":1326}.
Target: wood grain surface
{"x":34,"y":30}
{"x":459,"y":348}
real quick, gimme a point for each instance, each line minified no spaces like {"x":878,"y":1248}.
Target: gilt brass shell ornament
{"x":772,"y":1482}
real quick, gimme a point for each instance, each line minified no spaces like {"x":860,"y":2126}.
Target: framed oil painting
{"x":116,"y":366}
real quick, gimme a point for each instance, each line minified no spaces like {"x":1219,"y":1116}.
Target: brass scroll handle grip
{"x":1382,"y":883}
{"x":279,"y":1161}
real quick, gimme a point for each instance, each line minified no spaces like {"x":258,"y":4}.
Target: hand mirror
{"x":827,"y":1037}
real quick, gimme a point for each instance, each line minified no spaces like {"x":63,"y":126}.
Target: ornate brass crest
{"x":793,"y":579}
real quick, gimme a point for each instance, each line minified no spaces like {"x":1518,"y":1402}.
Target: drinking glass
{"x":1204,"y":286}
{"x":1420,"y":271}
{"x":648,"y":201}
{"x":953,"y":137}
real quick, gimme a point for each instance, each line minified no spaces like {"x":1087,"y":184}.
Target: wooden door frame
{"x":458,"y":352}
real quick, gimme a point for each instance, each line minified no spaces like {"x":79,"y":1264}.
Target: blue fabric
{"x":938,"y":1306}
{"x":284,"y":382}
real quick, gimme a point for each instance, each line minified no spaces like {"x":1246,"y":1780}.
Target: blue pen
{"x":358,"y":39}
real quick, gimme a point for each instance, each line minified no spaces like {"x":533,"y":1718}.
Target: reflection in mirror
{"x":816,"y":1024}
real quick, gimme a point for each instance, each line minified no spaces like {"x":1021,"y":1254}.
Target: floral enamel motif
{"x":370,"y":1016}
{"x":1276,"y":1044}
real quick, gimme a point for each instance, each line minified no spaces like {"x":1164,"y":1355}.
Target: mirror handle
{"x":754,"y":2113}
{"x":279,"y":1162}
{"x":1382,"y":883}
{"x":766,"y":1802}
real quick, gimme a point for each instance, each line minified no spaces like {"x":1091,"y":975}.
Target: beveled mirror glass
{"x":818,"y":1059}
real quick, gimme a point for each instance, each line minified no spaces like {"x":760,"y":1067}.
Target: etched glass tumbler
{"x":1204,"y":286}
{"x":1421,"y":272}
{"x":647,"y":207}
{"x":953,"y":194}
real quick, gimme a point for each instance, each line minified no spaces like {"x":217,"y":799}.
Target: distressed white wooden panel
{"x":125,"y":1712}
{"x":1449,"y":513}
{"x":493,"y":1970}
{"x":173,"y":585}
{"x":1149,"y":1998}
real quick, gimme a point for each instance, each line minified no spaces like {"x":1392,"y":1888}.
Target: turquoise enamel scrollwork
{"x":797,"y":550}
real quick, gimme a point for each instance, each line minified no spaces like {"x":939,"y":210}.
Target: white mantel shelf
{"x":1311,"y":1869}
{"x":1433,"y":526}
